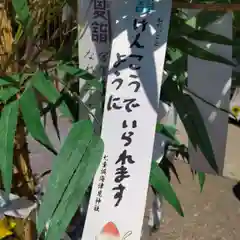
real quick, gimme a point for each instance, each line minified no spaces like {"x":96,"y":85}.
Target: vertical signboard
{"x":119,"y":191}
{"x":212,"y":82}
{"x":94,"y":49}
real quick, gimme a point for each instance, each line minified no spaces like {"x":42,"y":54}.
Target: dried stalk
{"x":23,"y":182}
{"x":6,"y":39}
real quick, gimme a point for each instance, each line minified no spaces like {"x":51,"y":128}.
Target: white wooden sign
{"x":94,"y":49}
{"x":120,"y":186}
{"x":212,"y":81}
{"x":94,"y":35}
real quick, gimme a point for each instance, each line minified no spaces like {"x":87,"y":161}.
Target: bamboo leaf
{"x":192,"y":121}
{"x":204,"y":35}
{"x":6,"y":80}
{"x":8,"y":123}
{"x":8,"y":92}
{"x":76,"y":189}
{"x":32,"y":118}
{"x":168,"y":131}
{"x":201,"y":179}
{"x":190,"y":29}
{"x":190,"y":48}
{"x":70,"y":154}
{"x":203,"y":18}
{"x":80,"y":73}
{"x":75,"y":71}
{"x":55,"y":122}
{"x":22,"y":10}
{"x":44,"y":85}
{"x":204,"y":142}
{"x":161,"y":184}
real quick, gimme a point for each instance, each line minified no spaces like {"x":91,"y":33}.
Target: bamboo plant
{"x":28,"y":76}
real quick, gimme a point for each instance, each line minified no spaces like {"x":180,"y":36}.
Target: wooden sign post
{"x":119,"y":191}
{"x":94,"y":49}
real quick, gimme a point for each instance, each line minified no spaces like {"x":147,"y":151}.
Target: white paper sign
{"x":212,"y":82}
{"x":16,"y":206}
{"x":120,"y":186}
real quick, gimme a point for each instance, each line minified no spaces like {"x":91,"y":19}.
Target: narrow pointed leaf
{"x":204,"y":141}
{"x":204,"y":19}
{"x":168,"y":131}
{"x":64,"y":165}
{"x":55,"y":122}
{"x":192,"y":121}
{"x":204,"y":35}
{"x":77,"y":72}
{"x":190,"y":30}
{"x":161,"y":184}
{"x":45,"y":86}
{"x":201,"y":179}
{"x":76,"y":189}
{"x":32,"y":118}
{"x":9,"y":80}
{"x":22,"y":10}
{"x":192,"y":49}
{"x":8,"y":92}
{"x":83,"y":74}
{"x":8,"y":123}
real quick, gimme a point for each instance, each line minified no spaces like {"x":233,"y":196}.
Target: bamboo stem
{"x":23,"y":181}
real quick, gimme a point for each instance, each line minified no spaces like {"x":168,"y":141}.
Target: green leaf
{"x":192,"y":121}
{"x":205,"y":18}
{"x":8,"y":123}
{"x":9,"y":86}
{"x":8,"y":92}
{"x":192,"y":49}
{"x":236,"y":79}
{"x":77,"y":72}
{"x":22,"y":10}
{"x":70,"y":154}
{"x":161,"y":184}
{"x":201,"y":179}
{"x":189,"y":29}
{"x":177,"y":67}
{"x":44,"y":85}
{"x":76,"y":189}
{"x":174,"y":54}
{"x":9,"y":80}
{"x":204,"y":35}
{"x":32,"y":118}
{"x":168,"y":131}
{"x":204,"y":142}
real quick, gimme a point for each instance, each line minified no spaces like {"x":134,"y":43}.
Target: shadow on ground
{"x":236,"y":190}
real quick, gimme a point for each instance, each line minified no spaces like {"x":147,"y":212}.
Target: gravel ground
{"x":212,"y":214}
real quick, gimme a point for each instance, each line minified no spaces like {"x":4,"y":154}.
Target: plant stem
{"x":23,"y":180}
{"x":23,"y":183}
